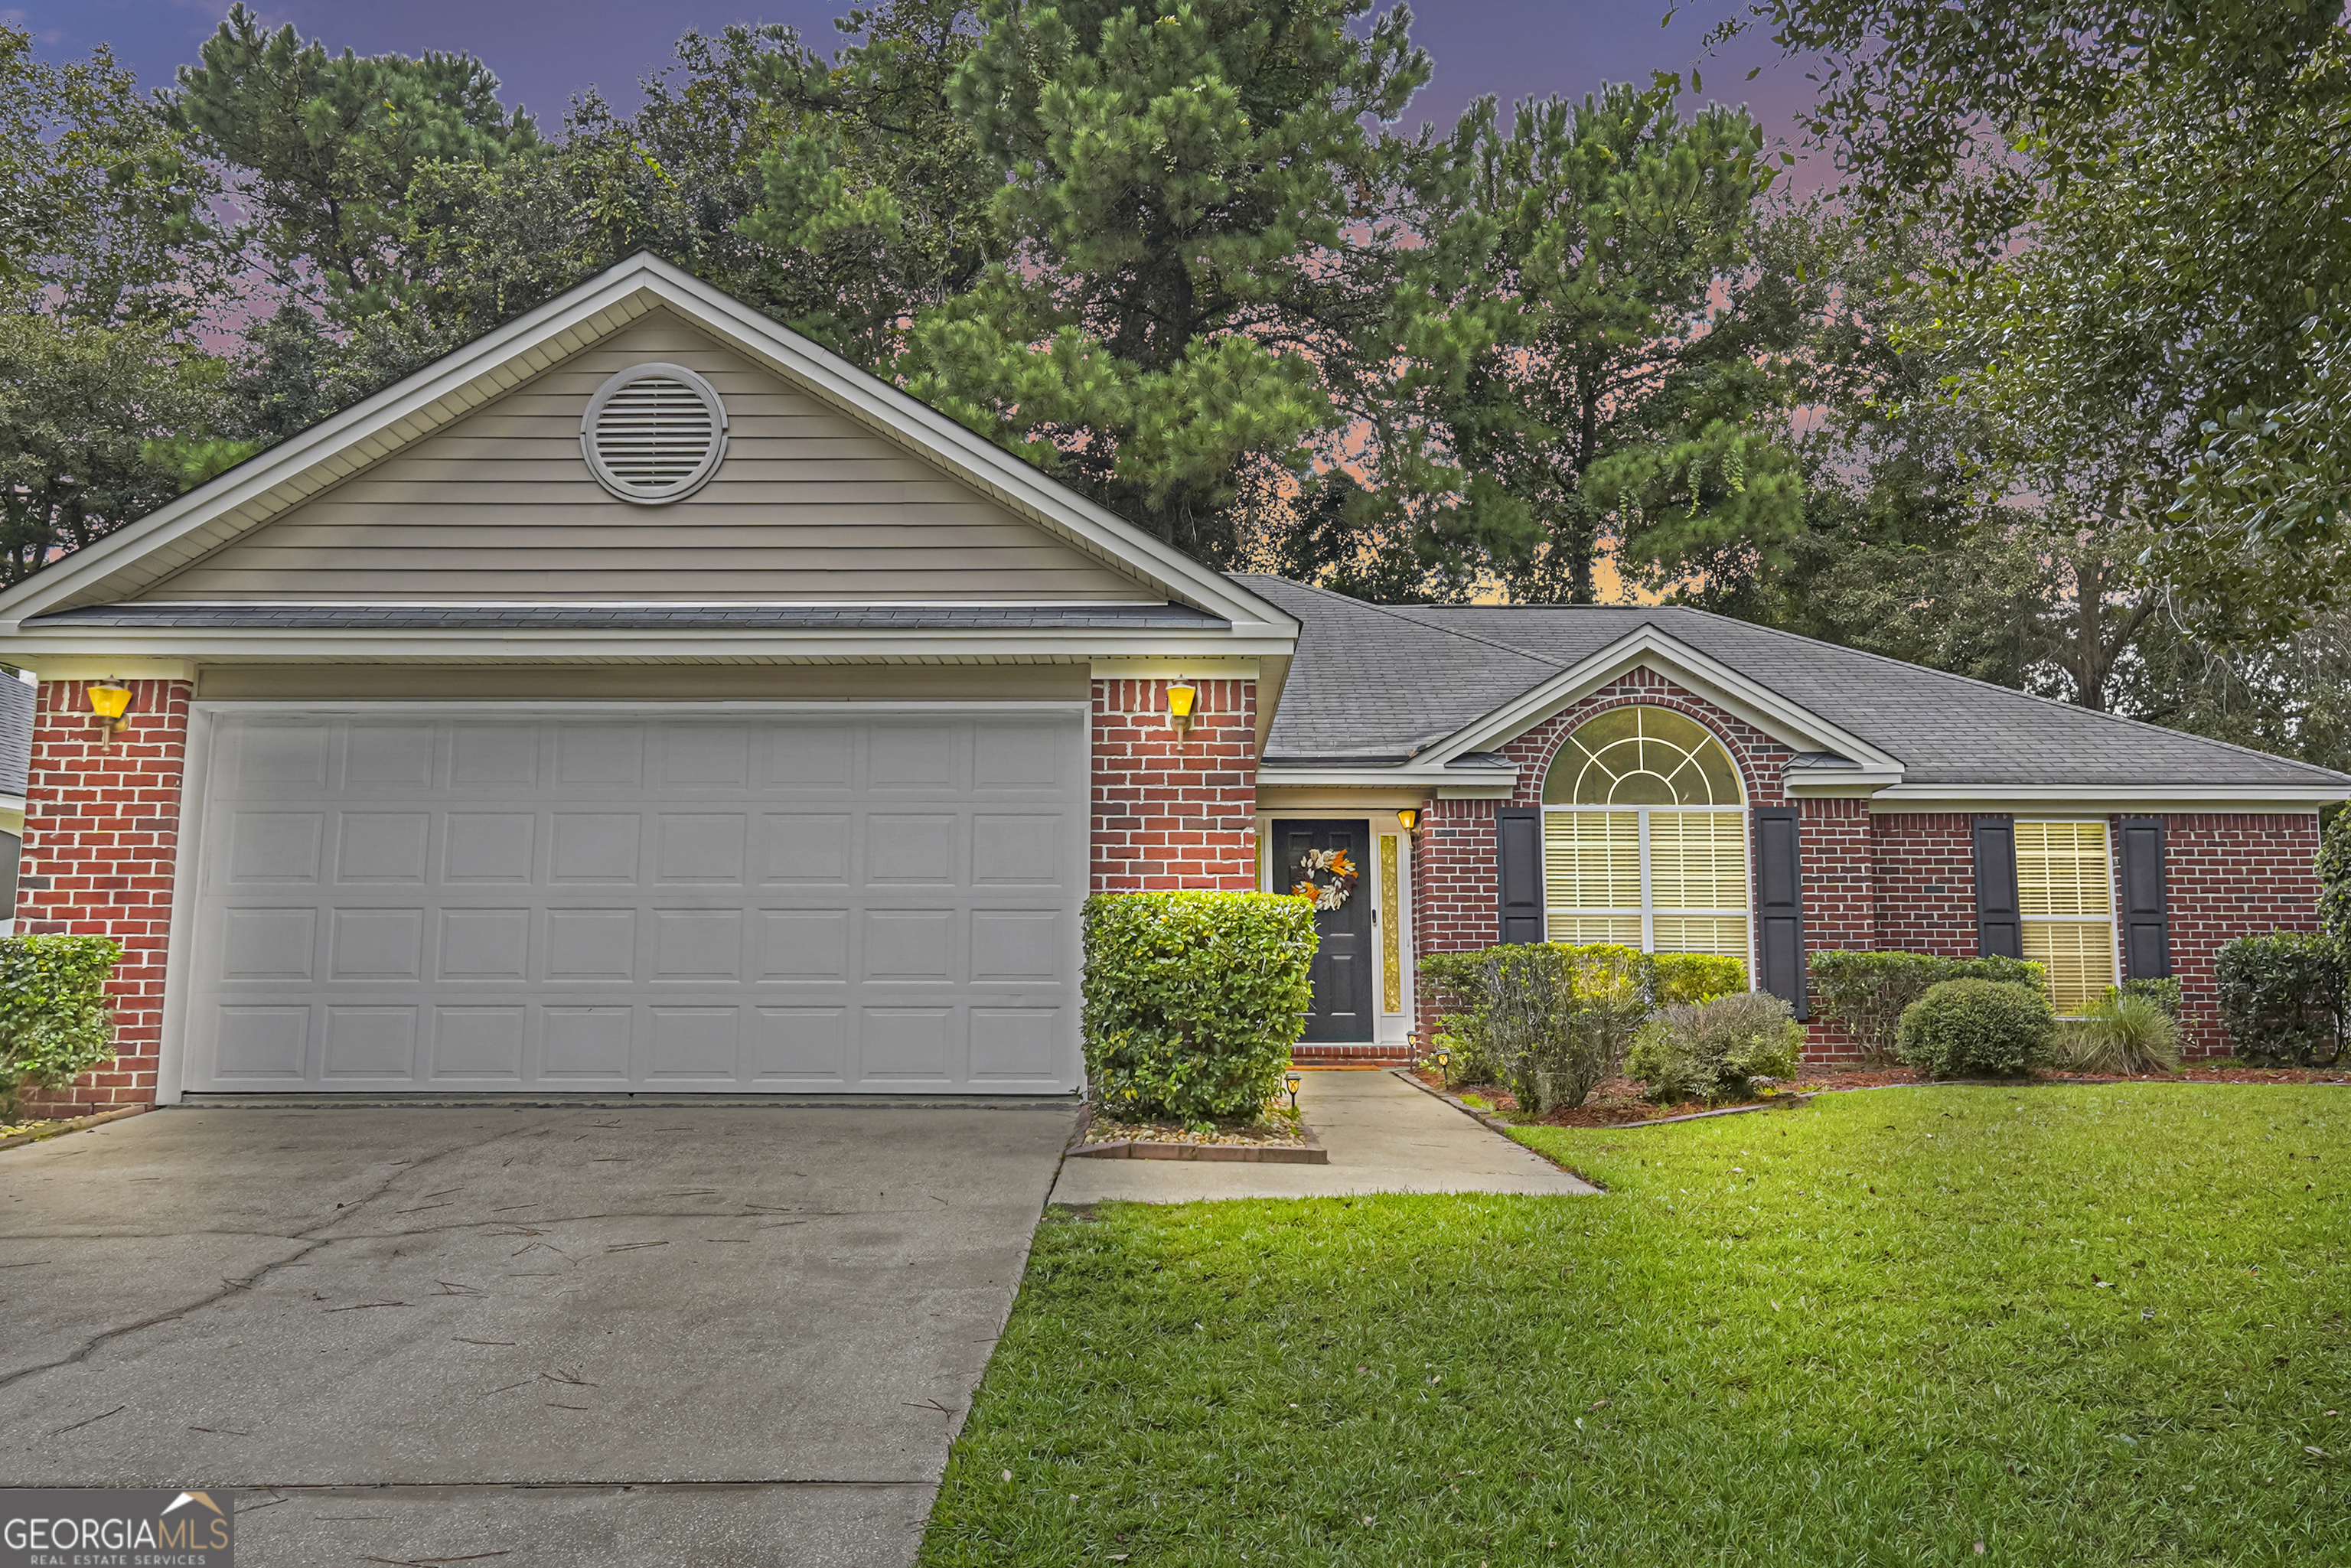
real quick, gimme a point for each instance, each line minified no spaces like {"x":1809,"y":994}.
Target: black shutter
{"x":1518,"y":856}
{"x":1999,"y":933}
{"x":2146,"y":930}
{"x":1780,"y":906}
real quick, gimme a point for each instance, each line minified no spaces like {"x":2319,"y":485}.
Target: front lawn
{"x":2082,"y":1324}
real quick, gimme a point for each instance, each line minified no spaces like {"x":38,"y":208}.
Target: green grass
{"x":2080,"y":1325}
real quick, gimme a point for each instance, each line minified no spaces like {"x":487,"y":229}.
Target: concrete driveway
{"x":703,"y":1335}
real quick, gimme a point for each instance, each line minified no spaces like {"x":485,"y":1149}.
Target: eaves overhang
{"x":2104,"y":799}
{"x":1652,"y":648}
{"x":1478,"y":783}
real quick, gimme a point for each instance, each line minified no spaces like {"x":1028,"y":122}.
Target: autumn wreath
{"x":1332,"y":864}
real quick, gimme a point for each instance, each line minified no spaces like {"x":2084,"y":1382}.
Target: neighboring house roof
{"x":16,"y":698}
{"x":1387,"y":684}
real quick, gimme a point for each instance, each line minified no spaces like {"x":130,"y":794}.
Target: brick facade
{"x":2230,"y":874}
{"x":1884,"y":880}
{"x":1174,"y":811}
{"x":102,"y":842}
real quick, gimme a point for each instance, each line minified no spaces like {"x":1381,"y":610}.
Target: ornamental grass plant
{"x":2122,"y":1032}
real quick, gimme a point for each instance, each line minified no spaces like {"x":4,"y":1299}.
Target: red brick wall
{"x":101,"y":837}
{"x":1175,"y":811}
{"x":2231,"y":875}
{"x":1926,"y":883}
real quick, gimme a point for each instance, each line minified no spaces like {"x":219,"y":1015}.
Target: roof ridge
{"x":1395,"y":612}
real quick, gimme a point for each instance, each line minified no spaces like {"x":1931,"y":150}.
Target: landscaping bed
{"x":1618,"y":1102}
{"x":1277,"y":1137}
{"x":2087,"y":1324}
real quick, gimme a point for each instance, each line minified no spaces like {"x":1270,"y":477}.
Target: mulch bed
{"x":1275,"y":1129}
{"x":1617,"y":1101}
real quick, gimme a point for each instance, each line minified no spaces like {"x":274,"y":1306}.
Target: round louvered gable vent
{"x":653,"y":433}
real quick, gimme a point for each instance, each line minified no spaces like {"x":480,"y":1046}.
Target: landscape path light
{"x":1290,"y":1078}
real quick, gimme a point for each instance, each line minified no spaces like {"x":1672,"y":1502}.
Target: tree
{"x":97,"y":194}
{"x":1189,"y":198}
{"x":1618,"y":395}
{"x":327,"y":145}
{"x":2152,"y":199}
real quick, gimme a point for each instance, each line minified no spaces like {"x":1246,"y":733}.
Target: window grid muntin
{"x":1657,"y":738}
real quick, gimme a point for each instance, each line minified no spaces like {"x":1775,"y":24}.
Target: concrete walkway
{"x":1384,"y":1134}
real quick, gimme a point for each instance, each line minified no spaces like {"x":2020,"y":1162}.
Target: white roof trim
{"x":498,"y":361}
{"x":2102,"y":799}
{"x":1757,"y":704}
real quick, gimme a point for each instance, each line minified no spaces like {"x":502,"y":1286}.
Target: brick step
{"x":1349,"y":1055}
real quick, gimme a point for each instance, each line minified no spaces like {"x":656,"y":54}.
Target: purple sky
{"x":543,"y":50}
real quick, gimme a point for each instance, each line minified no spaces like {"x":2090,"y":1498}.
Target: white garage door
{"x":790,"y":904}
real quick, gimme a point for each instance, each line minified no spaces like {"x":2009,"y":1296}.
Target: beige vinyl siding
{"x":809,"y":506}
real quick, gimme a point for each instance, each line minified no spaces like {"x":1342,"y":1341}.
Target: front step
{"x":1304,"y":1055}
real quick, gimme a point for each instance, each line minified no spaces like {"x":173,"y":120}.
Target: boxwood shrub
{"x":1866,"y":993}
{"x":1686,"y":979}
{"x":1979,"y":1029}
{"x":56,"y":1022}
{"x":2282,"y":998}
{"x":1716,"y":1050}
{"x":1193,"y":1000}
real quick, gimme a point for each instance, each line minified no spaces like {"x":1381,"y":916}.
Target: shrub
{"x":1684,"y":980}
{"x":2163,"y":993}
{"x":1193,"y":1000}
{"x":2335,"y":881}
{"x":1866,"y":993}
{"x":1716,"y":1050}
{"x":2282,"y":998}
{"x":1558,"y":1018}
{"x":56,"y":1022}
{"x":1458,"y":980}
{"x":1973,"y":1028}
{"x":2122,"y":1032}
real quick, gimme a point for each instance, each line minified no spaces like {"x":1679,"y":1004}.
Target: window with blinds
{"x":1644,"y":837}
{"x":2064,"y":896}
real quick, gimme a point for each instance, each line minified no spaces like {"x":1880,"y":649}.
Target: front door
{"x":1334,"y":858}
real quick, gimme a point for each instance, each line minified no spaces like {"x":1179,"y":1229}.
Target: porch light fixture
{"x":1290,"y":1078}
{"x":110,"y":703}
{"x":1410,"y":818}
{"x":1181,"y":695}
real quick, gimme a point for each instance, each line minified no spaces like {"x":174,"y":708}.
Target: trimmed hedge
{"x":1979,"y":1029}
{"x":1193,"y":1000}
{"x":56,"y":1022}
{"x":2282,"y":998}
{"x":1866,"y":993}
{"x":1686,"y":979}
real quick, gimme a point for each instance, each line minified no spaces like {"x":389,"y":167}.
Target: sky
{"x":545,"y":50}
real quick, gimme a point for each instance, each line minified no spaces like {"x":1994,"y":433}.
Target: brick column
{"x":1455,"y":891}
{"x":101,"y":840}
{"x":1175,"y":811}
{"x":1840,"y":895}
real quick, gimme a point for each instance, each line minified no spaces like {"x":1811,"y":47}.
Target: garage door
{"x":495,"y":901}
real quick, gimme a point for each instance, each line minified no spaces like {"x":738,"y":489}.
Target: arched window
{"x":1644,"y":837}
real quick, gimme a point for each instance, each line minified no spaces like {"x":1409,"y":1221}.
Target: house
{"x":643,"y":699}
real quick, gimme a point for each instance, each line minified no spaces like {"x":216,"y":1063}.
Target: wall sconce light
{"x":110,"y":703}
{"x":1181,"y":696}
{"x":1410,"y":818}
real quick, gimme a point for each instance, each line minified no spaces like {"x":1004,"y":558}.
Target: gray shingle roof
{"x":642,"y":617}
{"x":1378,"y":682}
